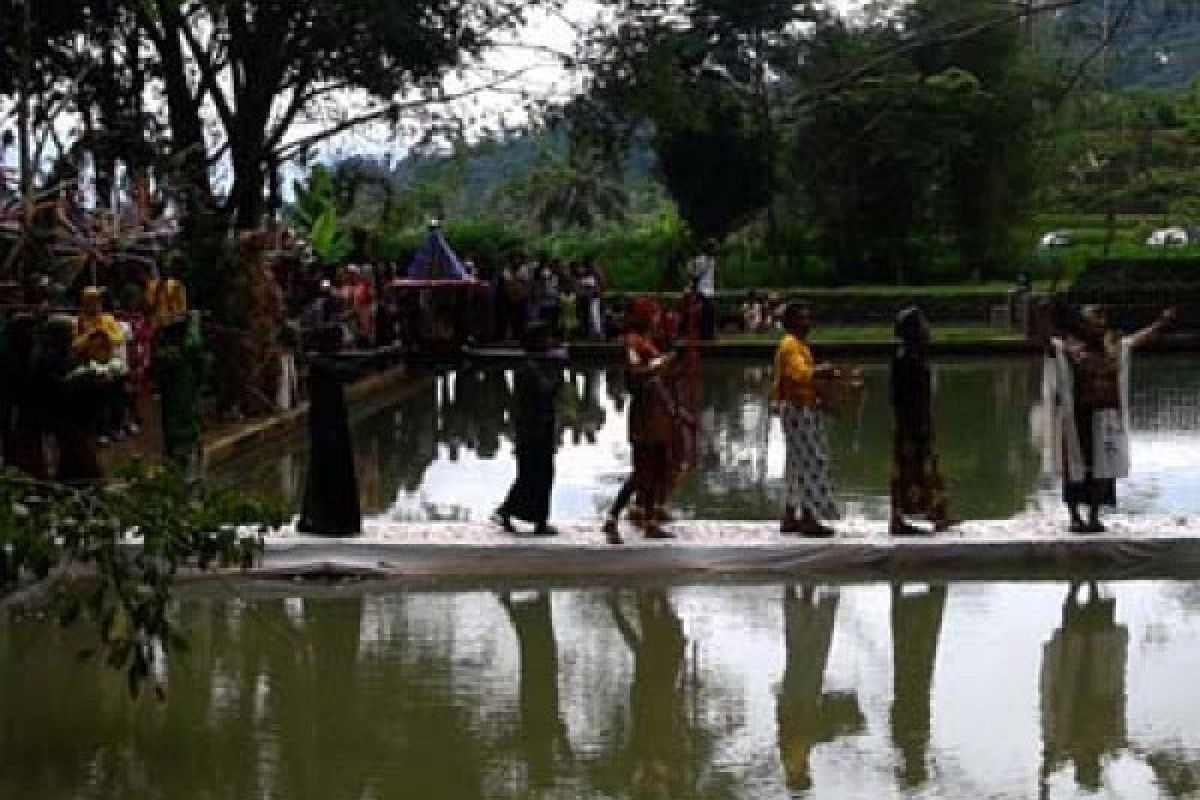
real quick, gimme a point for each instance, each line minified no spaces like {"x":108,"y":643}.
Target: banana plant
{"x":314,"y":214}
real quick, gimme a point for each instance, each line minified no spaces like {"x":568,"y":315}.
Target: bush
{"x":654,"y":257}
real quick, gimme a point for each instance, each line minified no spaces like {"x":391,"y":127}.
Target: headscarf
{"x":642,"y":311}
{"x":90,"y":295}
{"x":908,"y":324}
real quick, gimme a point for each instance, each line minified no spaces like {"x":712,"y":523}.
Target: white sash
{"x":1110,"y":428}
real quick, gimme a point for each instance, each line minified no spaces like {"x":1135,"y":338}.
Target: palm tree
{"x":576,"y":192}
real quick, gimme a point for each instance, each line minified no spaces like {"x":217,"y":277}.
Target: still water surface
{"x":444,"y":449}
{"x":1005,"y":690}
{"x":972,"y":689}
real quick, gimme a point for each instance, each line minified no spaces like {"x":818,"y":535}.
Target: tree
{"x":917,"y":139}
{"x":315,"y":215}
{"x":989,"y":176}
{"x":577,"y":192}
{"x":704,"y":78}
{"x":265,"y":67}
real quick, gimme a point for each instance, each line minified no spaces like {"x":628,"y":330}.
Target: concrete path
{"x":1021,"y":548}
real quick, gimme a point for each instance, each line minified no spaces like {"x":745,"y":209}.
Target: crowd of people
{"x":78,"y":381}
{"x":81,"y":380}
{"x":1086,"y":386}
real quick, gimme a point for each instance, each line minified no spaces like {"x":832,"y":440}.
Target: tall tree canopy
{"x":901,"y":133}
{"x":705,"y":76}
{"x":248,"y":84}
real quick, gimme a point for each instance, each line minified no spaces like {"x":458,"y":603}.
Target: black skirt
{"x":1089,"y":491}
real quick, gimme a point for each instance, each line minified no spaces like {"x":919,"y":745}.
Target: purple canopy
{"x":435,"y":259}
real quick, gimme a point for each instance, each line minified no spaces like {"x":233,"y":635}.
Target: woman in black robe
{"x":331,"y":504}
{"x":916,"y":486}
{"x":536,"y":433}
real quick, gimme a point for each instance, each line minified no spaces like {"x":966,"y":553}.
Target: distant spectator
{"x":166,"y":295}
{"x":515,"y":285}
{"x":590,"y":288}
{"x":549,"y":297}
{"x":569,"y":322}
{"x":702,"y":273}
{"x":754,"y":313}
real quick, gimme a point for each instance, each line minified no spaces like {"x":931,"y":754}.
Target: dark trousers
{"x":529,"y":497}
{"x":551,"y":315}
{"x":708,"y":318}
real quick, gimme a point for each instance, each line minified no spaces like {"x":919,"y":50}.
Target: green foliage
{"x":579,"y":192}
{"x":704,"y":79}
{"x":927,"y":159}
{"x":315,"y":216}
{"x":111,"y":553}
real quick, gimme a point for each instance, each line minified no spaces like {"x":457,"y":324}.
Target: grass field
{"x":883,"y":333}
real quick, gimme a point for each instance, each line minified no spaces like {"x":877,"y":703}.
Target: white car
{"x":1055,"y":239}
{"x":1164,"y":237}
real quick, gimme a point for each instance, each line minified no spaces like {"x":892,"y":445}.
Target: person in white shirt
{"x":703,"y":274}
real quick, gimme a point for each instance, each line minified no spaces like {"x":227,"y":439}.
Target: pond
{"x":654,"y":690}
{"x":1005,"y":690}
{"x":443,"y":449}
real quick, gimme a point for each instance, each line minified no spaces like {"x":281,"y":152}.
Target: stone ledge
{"x":1022,"y":548}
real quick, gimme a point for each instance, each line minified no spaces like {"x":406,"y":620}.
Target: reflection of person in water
{"x":807,"y":717}
{"x":656,"y":696}
{"x":543,"y":732}
{"x":1083,"y":687}
{"x":916,"y":625}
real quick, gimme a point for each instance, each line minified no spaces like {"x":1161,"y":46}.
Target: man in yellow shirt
{"x":808,"y":487}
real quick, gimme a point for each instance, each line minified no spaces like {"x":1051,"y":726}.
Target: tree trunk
{"x":190,"y":169}
{"x":246,"y":200}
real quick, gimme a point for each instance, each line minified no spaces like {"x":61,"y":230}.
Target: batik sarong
{"x":808,"y":483}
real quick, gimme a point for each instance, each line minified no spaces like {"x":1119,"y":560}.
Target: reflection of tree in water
{"x":614,"y":387}
{"x":489,"y":409}
{"x":273,"y":699}
{"x":1083,"y":687}
{"x":1175,"y":773}
{"x":669,"y":754}
{"x":981,"y":413}
{"x":916,"y":626}
{"x":473,"y":412}
{"x":729,"y":481}
{"x":543,"y":732}
{"x":981,"y":419}
{"x":982,"y":427}
{"x":806,"y":715}
{"x":453,"y":412}
{"x":309,"y":697}
{"x":581,"y":415}
{"x":417,"y":435}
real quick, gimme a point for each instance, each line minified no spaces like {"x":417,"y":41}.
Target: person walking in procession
{"x":1090,"y":377}
{"x":536,"y":431}
{"x":917,"y":487}
{"x":808,"y":486}
{"x":656,"y":424}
